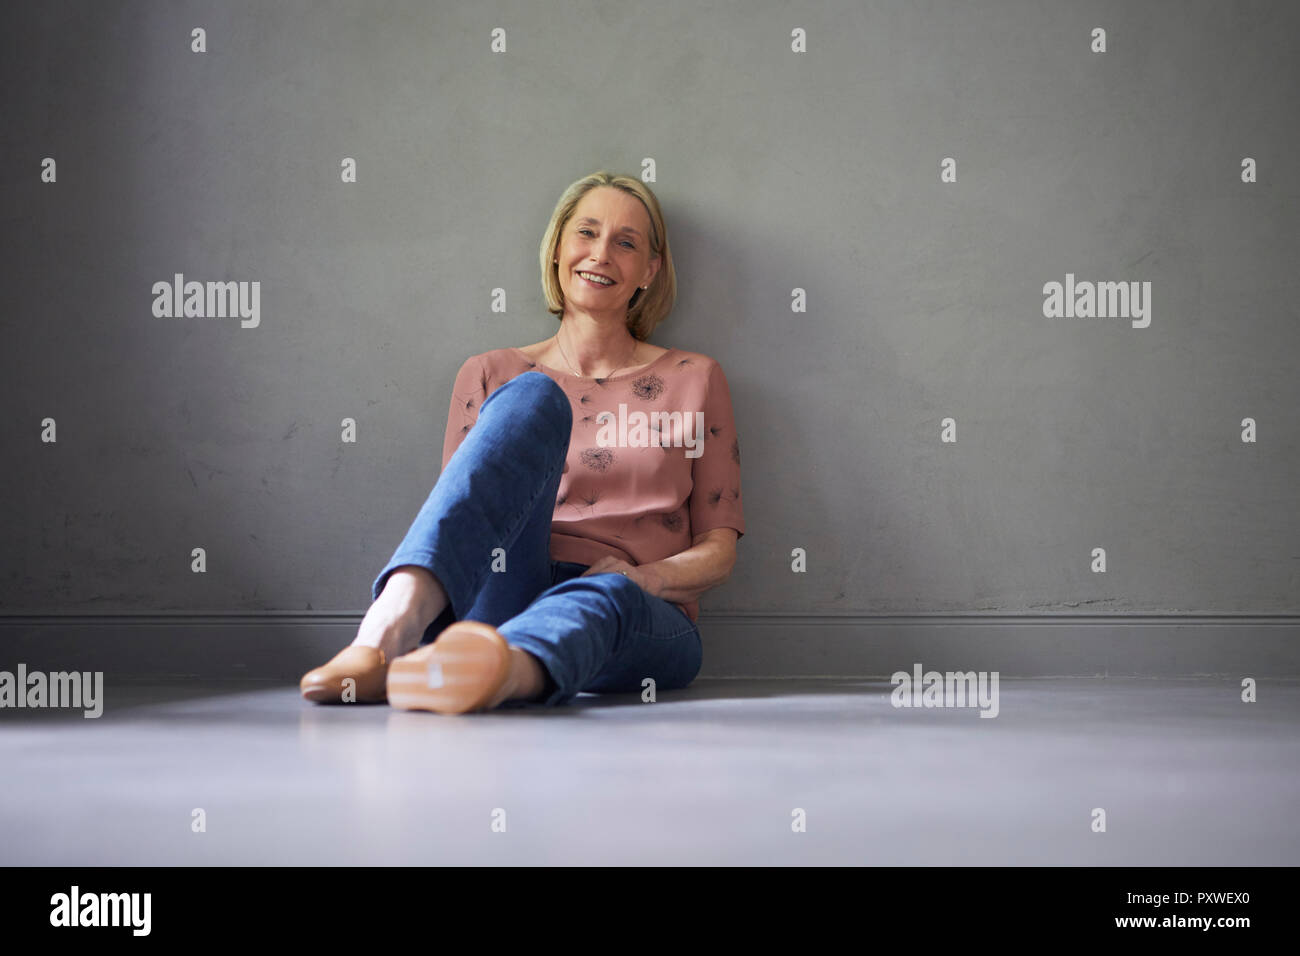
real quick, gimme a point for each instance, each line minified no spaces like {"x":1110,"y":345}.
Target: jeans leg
{"x":602,"y":633}
{"x":497,"y":492}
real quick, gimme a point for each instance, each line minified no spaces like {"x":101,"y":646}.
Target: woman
{"x":590,"y":493}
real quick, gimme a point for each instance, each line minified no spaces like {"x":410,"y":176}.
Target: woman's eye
{"x":627,"y":242}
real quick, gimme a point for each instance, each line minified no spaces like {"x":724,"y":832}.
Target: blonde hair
{"x":648,"y":307}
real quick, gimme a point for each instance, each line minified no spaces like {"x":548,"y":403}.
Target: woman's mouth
{"x":594,"y":282}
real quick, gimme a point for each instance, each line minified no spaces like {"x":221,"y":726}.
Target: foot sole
{"x":463,"y":670}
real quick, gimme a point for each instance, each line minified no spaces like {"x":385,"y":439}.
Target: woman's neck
{"x":595,"y":349}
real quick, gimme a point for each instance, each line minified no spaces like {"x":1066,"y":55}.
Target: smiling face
{"x":607,"y":236}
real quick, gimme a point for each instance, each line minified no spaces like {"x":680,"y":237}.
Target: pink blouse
{"x":654,"y":457}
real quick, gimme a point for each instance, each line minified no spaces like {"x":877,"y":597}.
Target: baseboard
{"x":282,"y":646}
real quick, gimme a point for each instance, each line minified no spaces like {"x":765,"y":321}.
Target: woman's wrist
{"x":647,"y":579}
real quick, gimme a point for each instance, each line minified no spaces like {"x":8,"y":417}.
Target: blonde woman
{"x":590,"y":494}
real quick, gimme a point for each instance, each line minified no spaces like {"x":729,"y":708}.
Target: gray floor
{"x":1186,"y":772}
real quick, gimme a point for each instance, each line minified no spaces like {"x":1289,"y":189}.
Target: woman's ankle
{"x":528,"y":674}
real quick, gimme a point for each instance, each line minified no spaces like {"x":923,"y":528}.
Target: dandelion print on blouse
{"x":648,"y":387}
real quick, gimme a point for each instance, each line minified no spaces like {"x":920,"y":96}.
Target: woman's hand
{"x":646,"y":580}
{"x":681,"y":577}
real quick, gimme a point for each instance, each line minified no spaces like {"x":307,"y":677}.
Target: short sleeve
{"x":467,"y":395}
{"x":715,"y":475}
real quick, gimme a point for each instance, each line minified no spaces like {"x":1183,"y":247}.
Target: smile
{"x":595,"y":280}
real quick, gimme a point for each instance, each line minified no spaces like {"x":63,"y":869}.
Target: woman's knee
{"x":532,"y":408}
{"x":538,"y":393}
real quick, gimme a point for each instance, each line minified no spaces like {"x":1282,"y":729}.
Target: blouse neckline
{"x":586,"y":378}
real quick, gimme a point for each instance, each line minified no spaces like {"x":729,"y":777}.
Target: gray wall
{"x":777,"y":170}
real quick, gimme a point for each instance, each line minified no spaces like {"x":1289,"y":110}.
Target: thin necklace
{"x":597,"y":377}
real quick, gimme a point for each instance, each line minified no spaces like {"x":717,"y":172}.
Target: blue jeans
{"x":600,"y":633}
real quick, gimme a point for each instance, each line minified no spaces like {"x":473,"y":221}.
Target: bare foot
{"x":408,"y":604}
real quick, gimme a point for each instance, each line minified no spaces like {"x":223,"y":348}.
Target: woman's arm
{"x":684,"y":576}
